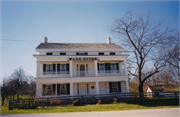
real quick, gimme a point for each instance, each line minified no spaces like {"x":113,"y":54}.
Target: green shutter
{"x":119,"y":86}
{"x":58,"y":89}
{"x":54,"y":68}
{"x":44,"y":69}
{"x":68,"y":89}
{"x":58,"y":68}
{"x":67,"y":68}
{"x":110,"y":87}
{"x":44,"y":89}
{"x":54,"y":89}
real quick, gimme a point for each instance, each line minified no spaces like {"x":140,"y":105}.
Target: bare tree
{"x":147,"y":40}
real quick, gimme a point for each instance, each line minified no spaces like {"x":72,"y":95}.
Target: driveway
{"x":168,"y":112}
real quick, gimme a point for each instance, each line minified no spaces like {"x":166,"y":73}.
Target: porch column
{"x":97,"y":87}
{"x":125,"y":67}
{"x":70,"y":69}
{"x":122,"y":87}
{"x":71,"y":89}
{"x":95,"y":65}
{"x":37,"y":69}
{"x":37,"y":90}
{"x":127,"y":86}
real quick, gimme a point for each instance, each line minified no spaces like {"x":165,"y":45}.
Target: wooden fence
{"x":90,"y":99}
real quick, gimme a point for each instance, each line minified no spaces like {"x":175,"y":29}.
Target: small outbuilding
{"x":154,"y":91}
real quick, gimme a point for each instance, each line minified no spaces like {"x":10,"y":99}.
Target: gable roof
{"x":78,"y":46}
{"x":156,"y":88}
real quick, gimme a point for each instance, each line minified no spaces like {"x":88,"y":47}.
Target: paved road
{"x":168,"y":112}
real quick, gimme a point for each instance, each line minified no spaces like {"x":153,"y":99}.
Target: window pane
{"x":114,"y":87}
{"x":49,"y":69}
{"x":63,"y":89}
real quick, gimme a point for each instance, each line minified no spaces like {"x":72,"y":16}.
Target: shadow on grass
{"x":155,"y":103}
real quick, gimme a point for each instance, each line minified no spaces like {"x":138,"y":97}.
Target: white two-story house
{"x":80,"y":69}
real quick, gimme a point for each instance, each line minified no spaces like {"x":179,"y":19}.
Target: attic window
{"x":48,"y":53}
{"x":62,"y":53}
{"x":81,"y":53}
{"x":112,"y":53}
{"x":101,"y":53}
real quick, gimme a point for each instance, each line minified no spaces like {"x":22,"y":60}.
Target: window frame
{"x":112,"y":53}
{"x":62,"y":53}
{"x":46,"y":90}
{"x":63,"y":90}
{"x":114,"y":89}
{"x":63,"y":72}
{"x":49,"y":53}
{"x":101,"y":53}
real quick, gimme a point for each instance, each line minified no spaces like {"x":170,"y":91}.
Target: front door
{"x":82,"y":70}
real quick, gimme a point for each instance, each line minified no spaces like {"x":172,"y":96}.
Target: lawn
{"x":104,"y":107}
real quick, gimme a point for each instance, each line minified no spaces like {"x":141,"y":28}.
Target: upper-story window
{"x":49,"y":53}
{"x":49,"y":68}
{"x":63,"y":69}
{"x":62,"y":53}
{"x":101,"y":53}
{"x":112,"y":53}
{"x":81,"y":53}
{"x":101,"y":68}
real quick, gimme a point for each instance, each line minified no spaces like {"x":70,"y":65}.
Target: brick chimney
{"x":109,"y":40}
{"x":45,"y":40}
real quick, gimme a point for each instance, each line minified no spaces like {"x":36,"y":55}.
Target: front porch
{"x":80,"y":88}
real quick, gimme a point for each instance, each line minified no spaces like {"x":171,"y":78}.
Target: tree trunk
{"x":3,"y":101}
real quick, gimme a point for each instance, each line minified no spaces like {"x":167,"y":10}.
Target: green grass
{"x":105,"y":107}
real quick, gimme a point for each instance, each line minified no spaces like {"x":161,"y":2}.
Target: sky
{"x":66,"y":22}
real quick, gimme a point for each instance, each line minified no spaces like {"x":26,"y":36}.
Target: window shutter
{"x":98,"y":66}
{"x":44,"y":69}
{"x":54,"y":68}
{"x":68,"y":89}
{"x":58,"y":68}
{"x":44,"y":89}
{"x":108,"y":67}
{"x":58,"y":89}
{"x":67,"y":68}
{"x":119,"y":86}
{"x":117,"y":67}
{"x":110,"y":87}
{"x":54,"y":89}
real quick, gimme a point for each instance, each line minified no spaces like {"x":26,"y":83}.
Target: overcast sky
{"x":66,"y":22}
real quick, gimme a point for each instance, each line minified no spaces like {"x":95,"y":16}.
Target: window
{"x":113,"y":68}
{"x":63,"y":53}
{"x":49,"y":89}
{"x":48,"y":53}
{"x":112,"y":53}
{"x":63,"y":89}
{"x":101,"y":53}
{"x":62,"y":69}
{"x":114,"y":87}
{"x":49,"y":68}
{"x":81,"y":53}
{"x":101,"y":68}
